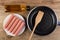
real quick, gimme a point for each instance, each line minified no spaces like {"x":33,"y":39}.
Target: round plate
{"x":6,"y":19}
{"x":48,"y":22}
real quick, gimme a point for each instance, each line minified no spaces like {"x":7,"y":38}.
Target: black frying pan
{"x":48,"y":22}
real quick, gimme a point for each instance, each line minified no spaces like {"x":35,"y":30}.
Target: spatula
{"x":37,"y":20}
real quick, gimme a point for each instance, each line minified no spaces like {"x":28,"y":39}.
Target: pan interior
{"x":48,"y":22}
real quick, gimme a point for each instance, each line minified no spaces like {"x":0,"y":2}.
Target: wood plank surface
{"x":54,"y":4}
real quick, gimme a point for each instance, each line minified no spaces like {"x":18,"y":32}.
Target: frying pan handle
{"x":58,"y":23}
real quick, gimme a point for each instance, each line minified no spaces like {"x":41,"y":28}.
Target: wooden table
{"x":54,"y":4}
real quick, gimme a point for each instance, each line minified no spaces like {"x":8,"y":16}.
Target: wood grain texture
{"x":54,"y":4}
{"x":11,"y":2}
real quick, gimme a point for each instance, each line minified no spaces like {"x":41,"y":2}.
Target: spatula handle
{"x":32,"y":32}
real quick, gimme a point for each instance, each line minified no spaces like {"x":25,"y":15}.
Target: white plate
{"x":6,"y":19}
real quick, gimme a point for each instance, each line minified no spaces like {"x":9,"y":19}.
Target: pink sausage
{"x":9,"y":20}
{"x":19,"y":23}
{"x":20,"y":27}
{"x":11,"y":23}
{"x":14,"y":25}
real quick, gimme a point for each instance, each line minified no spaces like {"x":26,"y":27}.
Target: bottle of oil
{"x":17,"y":8}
